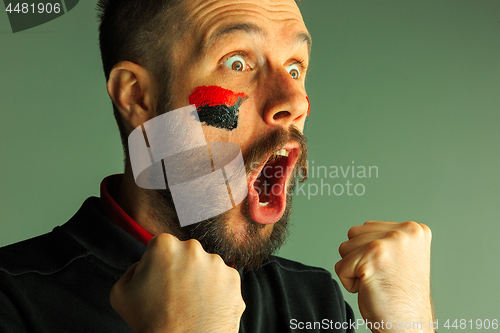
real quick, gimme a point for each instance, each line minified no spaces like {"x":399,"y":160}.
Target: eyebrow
{"x":304,"y":37}
{"x":250,"y":29}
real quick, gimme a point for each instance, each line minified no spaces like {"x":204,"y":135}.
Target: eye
{"x":294,"y":71}
{"x":236,"y":63}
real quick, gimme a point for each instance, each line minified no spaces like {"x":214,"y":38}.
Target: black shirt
{"x":60,"y":282}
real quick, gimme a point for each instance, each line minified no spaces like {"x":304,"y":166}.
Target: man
{"x":243,"y":64}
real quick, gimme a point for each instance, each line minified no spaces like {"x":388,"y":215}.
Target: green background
{"x":412,"y":87}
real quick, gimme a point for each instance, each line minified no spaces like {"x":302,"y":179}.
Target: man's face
{"x":245,"y":62}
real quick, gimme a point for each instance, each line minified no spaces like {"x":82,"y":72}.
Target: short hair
{"x":143,"y":32}
{"x":140,"y":31}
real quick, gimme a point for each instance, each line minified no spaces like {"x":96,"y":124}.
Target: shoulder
{"x":294,"y":266}
{"x":44,"y":254}
{"x":89,"y":236}
{"x":50,"y":252}
{"x":294,"y":275}
{"x":300,"y":290}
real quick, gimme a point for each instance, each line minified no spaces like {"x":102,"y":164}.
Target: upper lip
{"x":293,"y":148}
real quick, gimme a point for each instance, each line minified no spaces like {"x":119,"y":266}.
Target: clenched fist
{"x":388,"y":265}
{"x":178,"y":287}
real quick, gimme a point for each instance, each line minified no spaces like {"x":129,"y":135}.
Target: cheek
{"x":217,"y":107}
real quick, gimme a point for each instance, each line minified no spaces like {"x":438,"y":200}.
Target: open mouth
{"x":268,"y":183}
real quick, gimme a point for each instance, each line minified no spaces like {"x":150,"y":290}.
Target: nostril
{"x":281,"y":114}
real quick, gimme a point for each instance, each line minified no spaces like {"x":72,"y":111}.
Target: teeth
{"x":263,"y":204}
{"x":281,"y":152}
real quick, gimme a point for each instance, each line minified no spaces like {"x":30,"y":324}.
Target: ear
{"x":134,"y":91}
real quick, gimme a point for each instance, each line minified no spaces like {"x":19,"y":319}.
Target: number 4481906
{"x":40,"y":9}
{"x":478,"y":324}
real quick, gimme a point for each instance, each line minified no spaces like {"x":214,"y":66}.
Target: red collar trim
{"x":116,"y":214}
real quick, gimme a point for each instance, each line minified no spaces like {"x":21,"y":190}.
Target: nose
{"x":286,"y":103}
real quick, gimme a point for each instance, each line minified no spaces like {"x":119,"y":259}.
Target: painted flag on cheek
{"x":217,"y":107}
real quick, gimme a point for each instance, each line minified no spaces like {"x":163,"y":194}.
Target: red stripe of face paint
{"x":213,"y":95}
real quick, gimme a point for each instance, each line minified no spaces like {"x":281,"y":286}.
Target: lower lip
{"x":273,"y":212}
{"x":269,"y":214}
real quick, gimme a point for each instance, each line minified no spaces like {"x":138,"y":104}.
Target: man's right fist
{"x":178,"y":287}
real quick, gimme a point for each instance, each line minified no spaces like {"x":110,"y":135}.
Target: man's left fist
{"x":388,"y":265}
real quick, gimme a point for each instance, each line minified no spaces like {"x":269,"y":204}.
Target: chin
{"x":239,"y":224}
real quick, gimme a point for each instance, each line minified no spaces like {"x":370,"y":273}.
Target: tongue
{"x":275,"y":194}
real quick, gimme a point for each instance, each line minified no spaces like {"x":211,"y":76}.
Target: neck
{"x":135,"y":201}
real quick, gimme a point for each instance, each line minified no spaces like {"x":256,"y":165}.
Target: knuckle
{"x":338,"y":267}
{"x":242,"y":305}
{"x":153,"y":242}
{"x":341,"y":247}
{"x":376,"y":247}
{"x":160,"y":240}
{"x":193,"y":244}
{"x":411,"y":227}
{"x":427,"y":230}
{"x":115,"y":296}
{"x":217,"y":260}
{"x":194,"y":247}
{"x":235,"y":274}
{"x":396,"y":234}
{"x":195,"y":252}
{"x":162,"y":245}
{"x":353,"y":231}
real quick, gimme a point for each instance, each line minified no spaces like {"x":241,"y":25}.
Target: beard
{"x":255,"y":242}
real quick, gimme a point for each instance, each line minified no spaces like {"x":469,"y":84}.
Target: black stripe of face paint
{"x":220,"y":116}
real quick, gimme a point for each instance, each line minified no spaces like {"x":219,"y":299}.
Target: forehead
{"x":279,"y":19}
